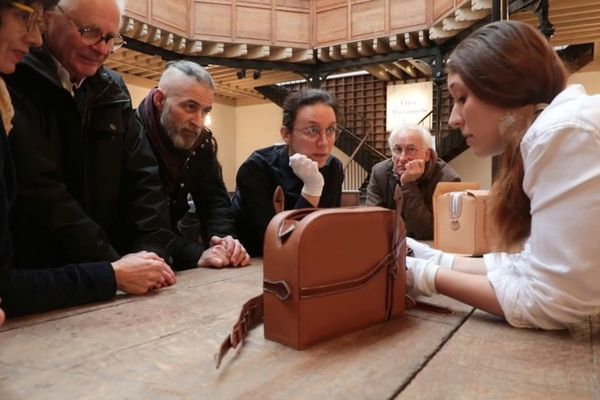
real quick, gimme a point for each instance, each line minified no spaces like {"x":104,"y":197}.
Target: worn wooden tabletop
{"x":161,"y":346}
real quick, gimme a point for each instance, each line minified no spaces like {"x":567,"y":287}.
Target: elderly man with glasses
{"x":416,"y":167}
{"x":89,"y":188}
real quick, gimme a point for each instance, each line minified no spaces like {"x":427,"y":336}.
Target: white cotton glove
{"x":308,"y":170}
{"x":420,"y":276}
{"x":424,"y":252}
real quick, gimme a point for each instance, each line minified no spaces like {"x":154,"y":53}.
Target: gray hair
{"x":426,"y":136}
{"x":69,"y":5}
{"x":190,"y":69}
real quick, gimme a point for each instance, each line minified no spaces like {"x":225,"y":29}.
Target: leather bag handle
{"x":278,"y":200}
{"x":288,"y":225}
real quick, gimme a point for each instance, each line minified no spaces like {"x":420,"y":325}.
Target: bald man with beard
{"x":173,"y":115}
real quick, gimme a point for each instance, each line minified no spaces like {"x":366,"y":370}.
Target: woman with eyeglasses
{"x":303,"y":167}
{"x":25,"y":291}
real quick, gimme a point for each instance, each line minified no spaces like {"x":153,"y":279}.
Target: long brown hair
{"x":509,"y":64}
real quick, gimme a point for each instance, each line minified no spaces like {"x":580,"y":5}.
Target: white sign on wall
{"x":408,"y":103}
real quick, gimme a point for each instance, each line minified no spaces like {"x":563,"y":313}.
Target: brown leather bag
{"x":328,"y":272}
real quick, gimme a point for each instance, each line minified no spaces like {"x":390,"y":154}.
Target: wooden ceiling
{"x":575,"y":22}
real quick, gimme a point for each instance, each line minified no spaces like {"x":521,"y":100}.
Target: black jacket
{"x":88,"y":181}
{"x":26,"y":291}
{"x":256,"y":181}
{"x":201,"y":177}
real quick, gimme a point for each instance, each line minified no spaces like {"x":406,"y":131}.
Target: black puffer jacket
{"x":26,"y":291}
{"x":88,"y":181}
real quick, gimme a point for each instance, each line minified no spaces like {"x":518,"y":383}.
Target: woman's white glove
{"x":420,"y":276}
{"x":308,"y":170}
{"x":424,"y":252}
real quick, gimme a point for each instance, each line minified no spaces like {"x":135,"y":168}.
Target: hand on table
{"x":138,"y":273}
{"x":236,"y":253}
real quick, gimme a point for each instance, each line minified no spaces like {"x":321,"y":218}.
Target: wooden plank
{"x":253,"y":24}
{"x":407,"y":14}
{"x":488,"y":359}
{"x":138,"y":7}
{"x":292,"y":27}
{"x":171,"y":14}
{"x":331,"y":25}
{"x":161,"y":346}
{"x":368,"y":19}
{"x":212,"y":20}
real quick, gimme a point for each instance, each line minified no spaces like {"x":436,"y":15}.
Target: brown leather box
{"x":461,"y":223}
{"x":328,"y":272}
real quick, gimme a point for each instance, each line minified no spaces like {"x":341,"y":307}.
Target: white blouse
{"x":554,"y":283}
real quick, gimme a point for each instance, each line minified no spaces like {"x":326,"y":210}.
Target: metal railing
{"x":357,"y":171}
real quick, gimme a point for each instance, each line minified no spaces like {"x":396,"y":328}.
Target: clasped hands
{"x":141,"y":272}
{"x":223,"y":252}
{"x":138,"y":273}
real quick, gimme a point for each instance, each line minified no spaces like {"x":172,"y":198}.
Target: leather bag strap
{"x":252,"y":315}
{"x":397,"y":243}
{"x":323,"y":290}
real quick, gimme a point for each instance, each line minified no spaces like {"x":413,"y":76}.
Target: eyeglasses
{"x":410,"y":151}
{"x":30,"y":16}
{"x":92,"y":36}
{"x":314,"y":132}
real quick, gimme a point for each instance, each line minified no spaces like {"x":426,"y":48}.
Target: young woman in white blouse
{"x":510,"y":94}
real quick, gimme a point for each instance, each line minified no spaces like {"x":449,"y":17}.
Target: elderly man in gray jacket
{"x":415,"y":166}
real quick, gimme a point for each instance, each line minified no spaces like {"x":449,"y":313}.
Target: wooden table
{"x":161,"y":346}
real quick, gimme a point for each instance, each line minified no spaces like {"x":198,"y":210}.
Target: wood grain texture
{"x":488,"y":359}
{"x":162,"y":346}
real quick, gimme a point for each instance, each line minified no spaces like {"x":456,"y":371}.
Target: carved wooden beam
{"x":153,"y":36}
{"x":422,"y":66}
{"x":378,"y":72}
{"x":396,"y":43}
{"x":277,"y":53}
{"x":451,"y":24}
{"x":424,"y":38}
{"x":365,"y":48}
{"x":179,"y":43}
{"x":394,"y":70}
{"x":467,"y":14}
{"x":411,"y":39}
{"x":348,"y":50}
{"x":382,"y":45}
{"x":193,"y":47}
{"x":323,"y":54}
{"x":166,"y":40}
{"x":477,"y":5}
{"x":259,"y":51}
{"x":212,"y":49}
{"x":236,"y":90}
{"x":407,"y":68}
{"x":231,"y":50}
{"x":301,"y":55}
{"x":335,"y":52}
{"x":437,"y":33}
